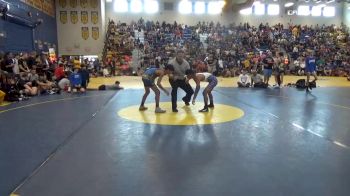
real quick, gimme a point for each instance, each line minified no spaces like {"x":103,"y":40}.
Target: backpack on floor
{"x":300,"y":84}
{"x":102,"y":87}
{"x":312,"y":84}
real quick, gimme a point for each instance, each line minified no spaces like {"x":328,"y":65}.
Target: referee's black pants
{"x":175,"y":84}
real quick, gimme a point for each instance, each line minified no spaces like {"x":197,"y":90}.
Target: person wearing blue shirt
{"x":76,"y":81}
{"x":310,"y":69}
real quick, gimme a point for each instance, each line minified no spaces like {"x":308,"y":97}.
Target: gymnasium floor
{"x":254,"y":142}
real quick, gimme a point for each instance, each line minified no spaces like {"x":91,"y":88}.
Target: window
{"x":316,"y":11}
{"x":120,"y":5}
{"x":215,"y":7}
{"x":247,"y":11}
{"x":199,"y":7}
{"x":185,"y":7}
{"x":328,"y":11}
{"x":136,"y":6}
{"x":151,"y":6}
{"x":304,"y":10}
{"x":108,"y":1}
{"x":259,"y":8}
{"x":273,"y":9}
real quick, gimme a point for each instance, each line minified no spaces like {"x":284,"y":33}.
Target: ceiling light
{"x":288,"y":4}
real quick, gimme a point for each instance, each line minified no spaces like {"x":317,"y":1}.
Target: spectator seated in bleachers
{"x":243,"y":80}
{"x":64,"y":83}
{"x":76,"y":81}
{"x":257,"y":80}
{"x":59,"y":72}
{"x":24,"y":84}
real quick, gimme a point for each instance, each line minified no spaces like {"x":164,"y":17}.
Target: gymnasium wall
{"x":79,"y":26}
{"x":346,"y":14}
{"x":225,"y":18}
{"x":169,"y":16}
{"x":19,"y":37}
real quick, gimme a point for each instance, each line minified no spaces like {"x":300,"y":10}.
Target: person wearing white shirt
{"x":243,"y":80}
{"x":15,"y":67}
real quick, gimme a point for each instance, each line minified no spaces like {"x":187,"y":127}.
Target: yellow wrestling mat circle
{"x":5,"y":103}
{"x":187,"y":115}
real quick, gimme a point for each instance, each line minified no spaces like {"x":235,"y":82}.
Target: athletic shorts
{"x":147,"y":82}
{"x":213,"y":81}
{"x":268,"y":72}
{"x":279,"y":71}
{"x":310,"y":68}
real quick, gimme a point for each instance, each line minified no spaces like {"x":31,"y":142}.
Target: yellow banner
{"x":84,"y":17}
{"x":63,"y":17}
{"x":38,"y":4}
{"x":30,"y":2}
{"x":85,"y":32}
{"x":94,"y":17}
{"x":95,"y":33}
{"x":62,"y":3}
{"x":84,"y":3}
{"x":46,"y":6}
{"x":73,"y":3}
{"x":74,"y":17}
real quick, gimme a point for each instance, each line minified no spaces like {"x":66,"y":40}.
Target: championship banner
{"x":46,"y":6}
{"x":84,"y":3}
{"x":63,"y":17}
{"x":74,"y":17}
{"x":30,"y":2}
{"x":38,"y":4}
{"x":85,"y":32}
{"x":62,"y":3}
{"x":94,"y":3}
{"x":84,"y":17}
{"x":73,"y":3}
{"x":95,"y":33}
{"x":49,"y":8}
{"x":94,"y":17}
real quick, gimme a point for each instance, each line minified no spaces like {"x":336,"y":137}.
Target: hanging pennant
{"x":95,"y":33}
{"x":74,"y":17}
{"x":62,"y":3}
{"x":84,"y":3}
{"x":63,"y":17}
{"x":85,"y":32}
{"x":84,"y":17}
{"x":73,"y":3}
{"x":94,"y":17}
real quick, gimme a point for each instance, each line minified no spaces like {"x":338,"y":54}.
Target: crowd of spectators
{"x":235,"y":50}
{"x":30,"y":74}
{"x":226,"y":50}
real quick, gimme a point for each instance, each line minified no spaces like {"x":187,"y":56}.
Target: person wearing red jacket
{"x":59,"y":72}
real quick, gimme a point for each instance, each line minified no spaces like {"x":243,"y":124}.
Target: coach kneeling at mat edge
{"x":178,"y":79}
